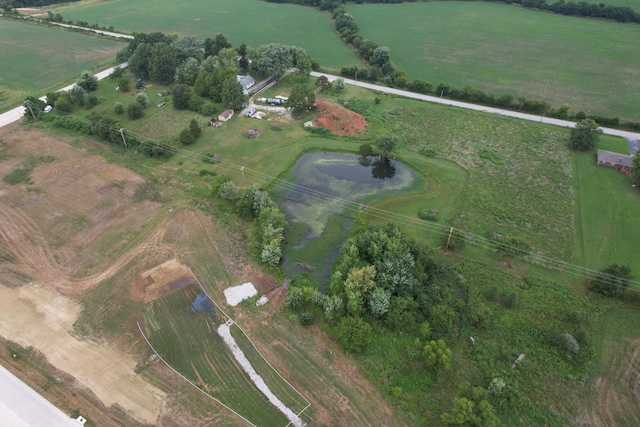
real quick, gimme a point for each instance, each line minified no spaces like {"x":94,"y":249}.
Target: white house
{"x":246,"y":82}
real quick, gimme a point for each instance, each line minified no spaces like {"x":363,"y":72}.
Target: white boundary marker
{"x":254,"y":346}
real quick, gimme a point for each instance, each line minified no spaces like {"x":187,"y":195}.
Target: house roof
{"x":246,"y":81}
{"x":614,"y":158}
{"x":226,"y":114}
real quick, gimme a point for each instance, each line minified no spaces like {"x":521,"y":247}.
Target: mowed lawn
{"x":609,"y":210}
{"x":241,"y":21}
{"x":35,"y":58}
{"x":502,"y":49}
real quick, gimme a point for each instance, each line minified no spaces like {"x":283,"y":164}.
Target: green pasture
{"x":504,"y":49}
{"x":192,"y":347}
{"x":519,"y":173}
{"x":241,"y":21}
{"x":35,"y":59}
{"x":609,"y":210}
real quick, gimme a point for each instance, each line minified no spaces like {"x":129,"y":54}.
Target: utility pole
{"x":29,"y":107}
{"x":242,"y":169}
{"x":441,"y":92}
{"x":446,"y":249}
{"x":123,"y":140}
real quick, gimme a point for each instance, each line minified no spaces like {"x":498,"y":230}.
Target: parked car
{"x":250,"y":112}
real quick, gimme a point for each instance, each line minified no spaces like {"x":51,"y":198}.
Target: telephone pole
{"x":123,"y":140}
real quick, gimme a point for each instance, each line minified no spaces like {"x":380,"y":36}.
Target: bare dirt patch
{"x":33,"y":315}
{"x":165,"y":278}
{"x":339,"y":120}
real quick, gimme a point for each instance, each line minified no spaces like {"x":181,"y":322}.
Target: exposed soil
{"x":77,"y":225}
{"x":339,"y":120}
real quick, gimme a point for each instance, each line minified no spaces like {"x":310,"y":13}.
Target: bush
{"x":366,"y":150}
{"x":118,"y":108}
{"x":569,"y":343}
{"x":92,"y":100}
{"x":581,"y":336}
{"x":294,"y":298}
{"x":142,"y":99}
{"x":354,"y":334}
{"x":306,"y":318}
{"x":429,"y":214}
{"x":181,"y":95}
{"x":318,"y":298}
{"x":124,"y":84}
{"x":117,"y":73}
{"x":186,"y":137}
{"x":194,"y":128}
{"x":63,"y":106}
{"x":228,"y":191}
{"x":134,"y":110}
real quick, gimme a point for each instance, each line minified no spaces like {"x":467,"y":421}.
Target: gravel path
{"x":225,"y":334}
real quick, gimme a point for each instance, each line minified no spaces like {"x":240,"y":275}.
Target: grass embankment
{"x":502,"y":49}
{"x":38,"y":59}
{"x":241,"y":21}
{"x":192,"y":346}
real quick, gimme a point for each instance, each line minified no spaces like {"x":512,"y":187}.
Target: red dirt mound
{"x":339,"y":120}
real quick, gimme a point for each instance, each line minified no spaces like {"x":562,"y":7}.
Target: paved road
{"x":21,"y":406}
{"x":18,"y":112}
{"x":435,"y":99}
{"x":106,"y":33}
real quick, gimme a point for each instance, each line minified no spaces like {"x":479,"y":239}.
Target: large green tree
{"x":274,"y":59}
{"x":164,"y":60}
{"x":301,"y":99}
{"x":231,"y":93}
{"x":386,"y":144}
{"x":585,"y":135}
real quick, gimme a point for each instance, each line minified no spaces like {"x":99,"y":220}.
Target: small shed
{"x":225,"y":115}
{"x":622,"y":162}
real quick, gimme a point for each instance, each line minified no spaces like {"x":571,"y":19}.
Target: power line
{"x":387,"y":216}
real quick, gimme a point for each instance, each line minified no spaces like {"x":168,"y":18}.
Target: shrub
{"x":366,"y":150}
{"x":194,"y":128}
{"x":306,"y":318}
{"x":134,"y":110}
{"x":181,"y":95}
{"x":318,"y":298}
{"x":124,"y":84}
{"x":354,"y":334}
{"x":93,"y":100}
{"x":206,"y":172}
{"x":334,"y":307}
{"x":63,"y":106}
{"x":228,"y":191}
{"x":294,"y":298}
{"x":429,"y":215}
{"x":118,"y":108}
{"x":582,"y":336}
{"x":186,"y":137}
{"x":575,"y":317}
{"x":142,"y":99}
{"x":569,"y":343}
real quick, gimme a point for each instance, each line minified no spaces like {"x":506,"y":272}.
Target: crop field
{"x":33,"y":60}
{"x":609,"y":208}
{"x":504,"y":49}
{"x":241,"y":21}
{"x":188,"y":342}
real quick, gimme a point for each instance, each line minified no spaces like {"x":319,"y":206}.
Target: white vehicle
{"x":250,"y":112}
{"x":48,"y":109}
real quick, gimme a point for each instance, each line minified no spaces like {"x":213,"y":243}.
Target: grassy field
{"x":33,"y":60}
{"x":504,"y":49}
{"x":241,"y":21}
{"x":502,"y":157}
{"x":609,"y":210}
{"x":191,"y":346}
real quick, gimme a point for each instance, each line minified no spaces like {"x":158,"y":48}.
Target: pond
{"x":330,"y":190}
